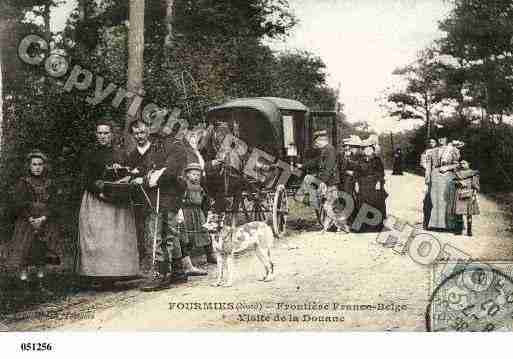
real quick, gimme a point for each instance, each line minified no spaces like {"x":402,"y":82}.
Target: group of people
{"x":358,"y":171}
{"x":143,"y":211}
{"x":451,"y":187}
{"x":139,"y":209}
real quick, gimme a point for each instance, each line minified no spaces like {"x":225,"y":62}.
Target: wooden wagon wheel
{"x":280,"y":211}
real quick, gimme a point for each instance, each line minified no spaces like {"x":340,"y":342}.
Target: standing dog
{"x":230,"y":240}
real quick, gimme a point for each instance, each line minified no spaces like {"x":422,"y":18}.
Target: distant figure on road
{"x":398,"y":163}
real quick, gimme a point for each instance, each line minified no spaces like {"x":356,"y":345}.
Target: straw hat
{"x":320,"y":133}
{"x":353,"y":141}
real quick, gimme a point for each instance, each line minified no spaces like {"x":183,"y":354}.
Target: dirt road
{"x":363,"y":285}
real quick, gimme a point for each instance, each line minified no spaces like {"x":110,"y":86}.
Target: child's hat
{"x":193,"y":166}
{"x":36,"y":153}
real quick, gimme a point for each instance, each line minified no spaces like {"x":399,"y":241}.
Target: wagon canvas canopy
{"x":269,"y":131}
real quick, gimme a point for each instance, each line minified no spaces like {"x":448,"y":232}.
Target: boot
{"x":458,"y":231}
{"x":160,"y":280}
{"x":211,"y":258}
{"x":469,"y":225}
{"x":42,"y":287}
{"x":191,"y":270}
{"x":178,"y":277}
{"x":344,"y":228}
{"x":178,"y":274}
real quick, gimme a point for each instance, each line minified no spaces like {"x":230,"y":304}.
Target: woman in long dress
{"x":444,"y":161}
{"x":107,"y":232}
{"x":398,"y":163}
{"x":371,"y":181}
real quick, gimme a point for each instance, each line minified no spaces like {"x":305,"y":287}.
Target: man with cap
{"x":328,"y":167}
{"x":325,"y":167}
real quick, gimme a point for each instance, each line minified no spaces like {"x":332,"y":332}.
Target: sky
{"x":360,"y":41}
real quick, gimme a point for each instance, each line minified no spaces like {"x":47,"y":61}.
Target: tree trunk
{"x":82,"y":10}
{"x":428,"y":120}
{"x":135,"y":52}
{"x":46,"y":18}
{"x":168,"y":22}
{"x":1,"y":104}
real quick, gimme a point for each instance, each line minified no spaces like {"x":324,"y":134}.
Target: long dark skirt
{"x":376,"y":198}
{"x":397,"y":168}
{"x":196,"y":235}
{"x":31,"y":248}
{"x":347,"y":185}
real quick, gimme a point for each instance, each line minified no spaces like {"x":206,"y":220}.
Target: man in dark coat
{"x":325,"y":167}
{"x":142,"y":159}
{"x":161,"y":172}
{"x":328,"y":166}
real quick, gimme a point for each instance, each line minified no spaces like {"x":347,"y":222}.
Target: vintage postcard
{"x":260,"y":165}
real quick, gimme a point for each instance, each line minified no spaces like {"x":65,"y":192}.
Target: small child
{"x":35,"y":229}
{"x":196,"y":236}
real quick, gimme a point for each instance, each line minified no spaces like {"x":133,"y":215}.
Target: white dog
{"x":230,"y":240}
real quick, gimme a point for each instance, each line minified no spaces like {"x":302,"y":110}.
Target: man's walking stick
{"x":157,"y":209}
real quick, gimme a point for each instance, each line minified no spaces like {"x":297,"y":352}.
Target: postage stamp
{"x":475,"y":297}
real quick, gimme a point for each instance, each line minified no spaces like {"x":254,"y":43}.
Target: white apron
{"x":108,"y":240}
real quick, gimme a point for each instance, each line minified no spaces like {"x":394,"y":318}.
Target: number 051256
{"x":36,"y":347}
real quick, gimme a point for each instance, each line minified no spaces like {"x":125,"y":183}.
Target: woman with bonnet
{"x":107,"y":232}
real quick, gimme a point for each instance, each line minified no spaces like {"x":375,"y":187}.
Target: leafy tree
{"x":425,"y":89}
{"x":478,"y":36}
{"x":302,"y":76}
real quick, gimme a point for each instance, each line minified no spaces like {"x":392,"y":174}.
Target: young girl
{"x":35,"y":234}
{"x":196,"y":139}
{"x":196,"y":236}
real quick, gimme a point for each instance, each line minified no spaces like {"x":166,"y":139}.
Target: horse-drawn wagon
{"x":268,"y":134}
